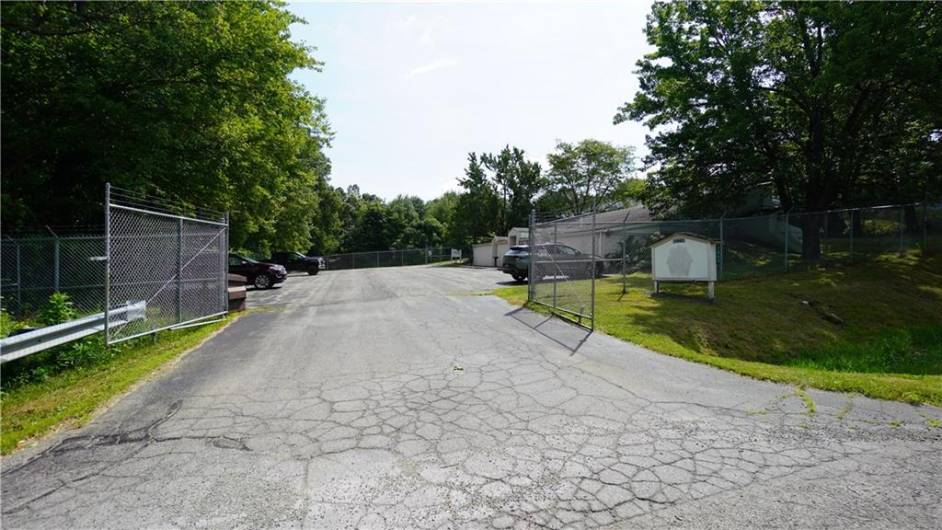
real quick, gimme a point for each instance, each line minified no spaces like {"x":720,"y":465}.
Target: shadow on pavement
{"x":567,"y":335}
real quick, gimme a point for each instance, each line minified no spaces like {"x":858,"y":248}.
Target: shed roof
{"x":685,"y":235}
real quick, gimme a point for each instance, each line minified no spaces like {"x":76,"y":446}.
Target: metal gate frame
{"x":141,"y":205}
{"x":554,"y":307}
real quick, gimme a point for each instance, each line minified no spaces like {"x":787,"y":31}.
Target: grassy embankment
{"x":873,"y":328}
{"x":65,"y":388}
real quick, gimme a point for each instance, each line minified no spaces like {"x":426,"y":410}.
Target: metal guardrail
{"x":42,"y":339}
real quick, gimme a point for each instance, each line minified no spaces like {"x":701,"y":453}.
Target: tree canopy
{"x":587,"y":174}
{"x":835,"y":103}
{"x":189,"y":101}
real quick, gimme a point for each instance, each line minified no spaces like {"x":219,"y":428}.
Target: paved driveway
{"x":403,"y":398}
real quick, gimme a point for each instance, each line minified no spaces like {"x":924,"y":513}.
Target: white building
{"x":492,"y":254}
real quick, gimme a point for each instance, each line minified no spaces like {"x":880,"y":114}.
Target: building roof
{"x":685,"y":235}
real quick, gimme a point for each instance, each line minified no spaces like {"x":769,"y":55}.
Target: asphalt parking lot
{"x":404,"y":398}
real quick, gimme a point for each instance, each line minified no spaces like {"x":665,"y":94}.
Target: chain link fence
{"x":388,"y":258}
{"x":569,"y":254}
{"x":33,"y":267}
{"x":175,"y":264}
{"x":153,"y":266}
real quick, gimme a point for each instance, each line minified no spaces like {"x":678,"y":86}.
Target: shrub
{"x":58,"y":309}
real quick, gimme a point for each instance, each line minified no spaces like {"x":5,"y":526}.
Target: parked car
{"x":295,"y":261}
{"x":260,"y":274}
{"x":553,"y":259}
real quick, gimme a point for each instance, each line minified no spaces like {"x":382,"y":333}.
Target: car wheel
{"x":262,"y":281}
{"x":518,"y":277}
{"x":599,"y":270}
{"x":313,"y":271}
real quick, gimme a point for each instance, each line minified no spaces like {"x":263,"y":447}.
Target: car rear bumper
{"x":512,"y":269}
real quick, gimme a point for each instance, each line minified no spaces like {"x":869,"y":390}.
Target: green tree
{"x":403,"y":215}
{"x":821,"y":99}
{"x":476,"y":212}
{"x":516,"y":182}
{"x":189,"y":101}
{"x":588,"y":173}
{"x":442,"y":210}
{"x":326,"y":228}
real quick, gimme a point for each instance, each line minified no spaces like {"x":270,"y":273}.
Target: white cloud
{"x":432,"y":66}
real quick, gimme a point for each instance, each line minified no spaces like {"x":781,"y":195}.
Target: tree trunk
{"x":836,"y":225}
{"x":811,"y":236}
{"x":911,"y":220}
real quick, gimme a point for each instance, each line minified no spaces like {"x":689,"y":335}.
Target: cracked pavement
{"x":401,"y":398}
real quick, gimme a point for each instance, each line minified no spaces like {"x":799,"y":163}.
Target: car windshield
{"x":250,"y":260}
{"x":519,"y":248}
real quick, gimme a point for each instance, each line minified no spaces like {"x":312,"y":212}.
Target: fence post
{"x":787,"y":237}
{"x":179,"y":270}
{"x":593,"y":263}
{"x":377,"y":259}
{"x":624,"y":279}
{"x":722,"y":245}
{"x":925,"y":228}
{"x":555,"y":276}
{"x":530,"y":242}
{"x":901,"y":231}
{"x":426,"y":254}
{"x":19,"y":279}
{"x":824,"y":239}
{"x":224,"y":264}
{"x":851,"y":232}
{"x":55,"y":263}
{"x":107,"y":259}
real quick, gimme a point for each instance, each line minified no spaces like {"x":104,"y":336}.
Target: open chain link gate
{"x":163,"y":269}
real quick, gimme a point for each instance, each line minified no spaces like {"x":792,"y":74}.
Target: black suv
{"x":295,"y":261}
{"x":261,"y":275}
{"x":552,"y":259}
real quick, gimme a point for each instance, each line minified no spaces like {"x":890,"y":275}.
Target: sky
{"x":412,"y":88}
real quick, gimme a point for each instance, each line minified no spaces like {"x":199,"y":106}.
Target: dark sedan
{"x":261,"y":275}
{"x":295,"y":261}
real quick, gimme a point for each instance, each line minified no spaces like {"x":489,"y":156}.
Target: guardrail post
{"x":179,"y":270}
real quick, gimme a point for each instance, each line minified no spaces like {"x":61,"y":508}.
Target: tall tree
{"x":815,"y":97}
{"x":588,"y":173}
{"x":476,"y":213}
{"x":190,"y":101}
{"x":516,"y":182}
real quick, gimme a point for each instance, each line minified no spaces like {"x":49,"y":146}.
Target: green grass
{"x":773,"y":327}
{"x":70,"y":397}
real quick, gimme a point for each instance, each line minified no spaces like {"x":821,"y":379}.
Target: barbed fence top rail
{"x":586,"y":218}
